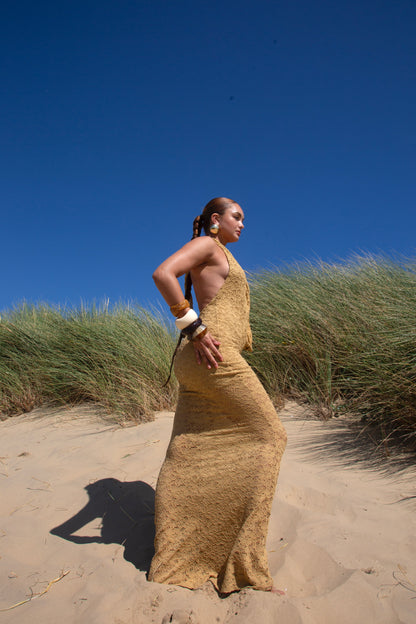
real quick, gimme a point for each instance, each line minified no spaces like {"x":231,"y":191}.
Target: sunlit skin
{"x":209,"y":268}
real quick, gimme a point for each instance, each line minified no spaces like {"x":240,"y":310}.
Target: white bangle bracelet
{"x":186,"y":320}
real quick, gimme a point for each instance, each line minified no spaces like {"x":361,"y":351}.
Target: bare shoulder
{"x":196,"y":253}
{"x":205,"y":243}
{"x":204,"y":248}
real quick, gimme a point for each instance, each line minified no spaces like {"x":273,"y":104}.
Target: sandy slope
{"x":342,"y":539}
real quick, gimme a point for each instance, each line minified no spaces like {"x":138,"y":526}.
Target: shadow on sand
{"x":127,"y":512}
{"x":346,"y":441}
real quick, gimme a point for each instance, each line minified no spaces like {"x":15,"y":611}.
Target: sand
{"x":342,"y":539}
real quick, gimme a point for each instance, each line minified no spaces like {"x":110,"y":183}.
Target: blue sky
{"x":121,"y":119}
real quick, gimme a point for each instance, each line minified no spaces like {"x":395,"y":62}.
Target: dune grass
{"x":341,"y":337}
{"x":118,"y":358}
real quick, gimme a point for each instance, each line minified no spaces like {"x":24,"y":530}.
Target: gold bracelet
{"x":178,"y":307}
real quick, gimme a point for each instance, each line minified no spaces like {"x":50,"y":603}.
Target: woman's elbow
{"x":156,"y":275}
{"x":159,"y":276}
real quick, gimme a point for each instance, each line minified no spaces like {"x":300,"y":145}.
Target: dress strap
{"x":230,"y":258}
{"x":223,"y":247}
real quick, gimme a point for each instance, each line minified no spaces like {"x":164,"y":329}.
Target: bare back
{"x":208,"y":277}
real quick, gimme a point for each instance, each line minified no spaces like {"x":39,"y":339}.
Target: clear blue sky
{"x":121,"y":119}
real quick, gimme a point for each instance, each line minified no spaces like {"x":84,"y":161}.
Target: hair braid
{"x":197,"y":226}
{"x":196,"y":232}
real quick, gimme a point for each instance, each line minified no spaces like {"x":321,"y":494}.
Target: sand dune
{"x":76,"y":505}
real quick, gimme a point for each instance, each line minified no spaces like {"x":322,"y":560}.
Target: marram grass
{"x":117,"y":358}
{"x":341,"y":337}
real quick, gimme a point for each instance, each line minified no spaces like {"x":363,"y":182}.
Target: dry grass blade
{"x":42,"y":593}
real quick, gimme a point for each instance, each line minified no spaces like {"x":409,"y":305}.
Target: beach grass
{"x":338,"y":336}
{"x":341,"y":337}
{"x":118,"y":358}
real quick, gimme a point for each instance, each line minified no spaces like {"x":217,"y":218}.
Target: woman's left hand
{"x":206,"y":350}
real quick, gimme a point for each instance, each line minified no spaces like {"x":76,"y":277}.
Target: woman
{"x":216,"y":486}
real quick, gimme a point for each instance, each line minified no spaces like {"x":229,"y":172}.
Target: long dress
{"x":215,"y":489}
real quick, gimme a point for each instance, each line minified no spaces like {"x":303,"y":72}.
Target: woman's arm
{"x":198,"y":251}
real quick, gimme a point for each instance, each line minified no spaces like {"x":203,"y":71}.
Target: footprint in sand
{"x":180,"y":616}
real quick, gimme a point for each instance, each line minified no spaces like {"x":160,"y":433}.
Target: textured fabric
{"x":216,"y":486}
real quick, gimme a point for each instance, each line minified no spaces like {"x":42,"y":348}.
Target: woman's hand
{"x":206,"y":350}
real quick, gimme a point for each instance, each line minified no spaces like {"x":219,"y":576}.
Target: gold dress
{"x":216,"y":486}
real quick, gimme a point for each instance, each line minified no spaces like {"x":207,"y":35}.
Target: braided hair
{"x":196,"y":232}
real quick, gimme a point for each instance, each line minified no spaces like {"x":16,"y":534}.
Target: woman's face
{"x":231,"y":224}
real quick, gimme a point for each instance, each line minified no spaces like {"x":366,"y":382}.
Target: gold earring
{"x":214,"y":228}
